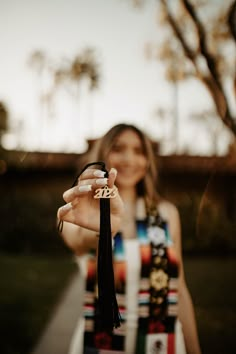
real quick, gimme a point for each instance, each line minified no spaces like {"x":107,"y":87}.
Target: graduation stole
{"x":157,"y":297}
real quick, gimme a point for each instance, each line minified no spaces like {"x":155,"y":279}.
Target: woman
{"x":157,"y":314}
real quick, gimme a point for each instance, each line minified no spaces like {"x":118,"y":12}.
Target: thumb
{"x":112,"y":177}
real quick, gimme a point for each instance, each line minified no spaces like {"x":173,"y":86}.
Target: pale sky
{"x":131,"y":88}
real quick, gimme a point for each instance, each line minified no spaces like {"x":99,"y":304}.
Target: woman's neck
{"x":128,"y":227}
{"x":128,"y":195}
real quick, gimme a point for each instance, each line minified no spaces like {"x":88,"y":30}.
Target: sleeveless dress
{"x":146,"y":281}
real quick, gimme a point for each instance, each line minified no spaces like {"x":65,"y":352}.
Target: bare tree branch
{"x":232,"y":20}
{"x":232,"y":27}
{"x":187,"y":50}
{"x":212,"y":80}
{"x":211,"y":61}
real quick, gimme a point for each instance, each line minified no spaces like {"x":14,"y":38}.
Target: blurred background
{"x":69,"y":71}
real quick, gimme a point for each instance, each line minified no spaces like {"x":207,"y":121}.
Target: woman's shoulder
{"x":167,"y":210}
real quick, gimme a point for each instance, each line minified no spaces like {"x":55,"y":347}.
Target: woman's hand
{"x":83,"y":209}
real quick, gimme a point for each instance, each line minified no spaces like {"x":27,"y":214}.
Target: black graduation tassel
{"x":108,"y":312}
{"x":107,"y":315}
{"x":107,"y":304}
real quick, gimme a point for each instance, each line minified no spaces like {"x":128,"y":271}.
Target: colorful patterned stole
{"x":157,"y":297}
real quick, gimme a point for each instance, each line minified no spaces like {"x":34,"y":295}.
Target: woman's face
{"x":127,"y":156}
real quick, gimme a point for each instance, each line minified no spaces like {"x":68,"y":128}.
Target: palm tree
{"x":68,"y":74}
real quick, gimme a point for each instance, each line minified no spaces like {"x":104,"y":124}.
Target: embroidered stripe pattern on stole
{"x":158,"y":288}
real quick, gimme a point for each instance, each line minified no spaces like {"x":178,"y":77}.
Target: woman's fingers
{"x":82,"y":208}
{"x":83,"y":187}
{"x":90,"y":180}
{"x":62,"y":211}
{"x":92,"y":173}
{"x":75,"y":192}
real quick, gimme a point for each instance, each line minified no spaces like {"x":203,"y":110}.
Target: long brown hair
{"x":147,"y":187}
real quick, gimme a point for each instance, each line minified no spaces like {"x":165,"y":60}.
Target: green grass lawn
{"x":30,"y":289}
{"x":213,"y":288}
{"x":32,"y":285}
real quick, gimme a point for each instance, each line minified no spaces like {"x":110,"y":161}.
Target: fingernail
{"x":67,"y":207}
{"x":99,"y":173}
{"x":101,"y":181}
{"x":113,"y":170}
{"x":85,"y":188}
